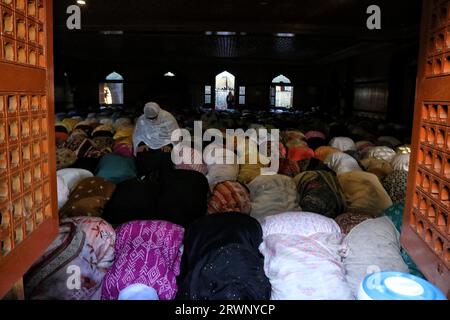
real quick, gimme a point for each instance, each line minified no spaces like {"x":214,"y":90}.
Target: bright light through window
{"x":281,"y":93}
{"x":111,"y":91}
{"x":225,"y":84}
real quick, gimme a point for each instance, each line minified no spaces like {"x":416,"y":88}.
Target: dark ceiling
{"x":325,"y":30}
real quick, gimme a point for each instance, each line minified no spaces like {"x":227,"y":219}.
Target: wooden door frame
{"x":429,"y":263}
{"x":15,"y":264}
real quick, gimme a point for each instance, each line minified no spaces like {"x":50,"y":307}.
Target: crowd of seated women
{"x":133,"y":226}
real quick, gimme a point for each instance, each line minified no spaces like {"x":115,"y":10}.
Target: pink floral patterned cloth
{"x":149,"y":253}
{"x":298,"y":224}
{"x":306,"y":268}
{"x":315,"y":134}
{"x":85,"y":246}
{"x":124,"y":150}
{"x":193,"y":162}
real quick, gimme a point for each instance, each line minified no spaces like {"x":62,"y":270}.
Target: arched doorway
{"x":281,"y":93}
{"x":111,"y":90}
{"x":225,"y":91}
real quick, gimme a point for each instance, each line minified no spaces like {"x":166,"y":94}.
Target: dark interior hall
{"x":323,"y":47}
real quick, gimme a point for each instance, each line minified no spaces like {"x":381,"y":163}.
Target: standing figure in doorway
{"x":230,"y":100}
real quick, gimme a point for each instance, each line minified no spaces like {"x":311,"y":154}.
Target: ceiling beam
{"x":360,"y":49}
{"x":386,"y":34}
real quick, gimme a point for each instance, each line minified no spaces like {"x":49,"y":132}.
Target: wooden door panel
{"x":426,"y":232}
{"x":28,"y":208}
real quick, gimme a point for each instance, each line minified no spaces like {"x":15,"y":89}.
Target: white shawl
{"x":155,"y":133}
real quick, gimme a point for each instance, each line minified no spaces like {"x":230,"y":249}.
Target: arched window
{"x":281,"y":93}
{"x":111,"y":91}
{"x":114,"y":77}
{"x":225,"y":91}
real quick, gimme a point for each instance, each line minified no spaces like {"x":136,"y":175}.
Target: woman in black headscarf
{"x":221,"y":260}
{"x":178,"y":196}
{"x":183,"y":196}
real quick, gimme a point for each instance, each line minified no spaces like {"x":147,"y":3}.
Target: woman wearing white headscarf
{"x":341,"y":162}
{"x":154,"y":128}
{"x":152,"y":139}
{"x":343,"y":144}
{"x":401,"y":162}
{"x":380,"y":152}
